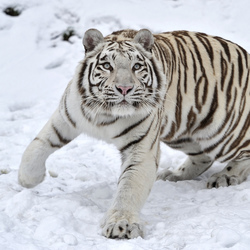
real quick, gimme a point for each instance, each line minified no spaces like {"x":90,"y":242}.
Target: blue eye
{"x":137,"y":66}
{"x":107,"y":66}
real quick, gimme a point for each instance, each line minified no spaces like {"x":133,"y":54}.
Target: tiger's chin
{"x":123,"y":110}
{"x":128,"y":110}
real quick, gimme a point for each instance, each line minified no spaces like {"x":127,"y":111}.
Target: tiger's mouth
{"x":127,"y":103}
{"x":124,"y":102}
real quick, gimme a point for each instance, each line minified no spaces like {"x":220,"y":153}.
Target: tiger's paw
{"x":224,"y":180}
{"x":122,"y":230}
{"x":121,"y":225}
{"x":28,"y":178}
{"x":167,"y":175}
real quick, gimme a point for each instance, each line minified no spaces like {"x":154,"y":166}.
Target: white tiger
{"x":135,"y":89}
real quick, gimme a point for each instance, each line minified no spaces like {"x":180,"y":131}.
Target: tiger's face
{"x":121,"y":77}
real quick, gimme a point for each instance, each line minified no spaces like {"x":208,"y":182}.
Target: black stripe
{"x":157,"y":127}
{"x":245,"y":144}
{"x":229,"y":87}
{"x":67,"y":113}
{"x":245,"y":53}
{"x":60,"y":137}
{"x":133,"y":142}
{"x":169,"y":45}
{"x":85,"y":114}
{"x":170,"y":133}
{"x":151,"y":74}
{"x":90,"y":83}
{"x":242,"y":134}
{"x":185,"y":81}
{"x":161,"y":56}
{"x":102,"y":58}
{"x":243,"y":95}
{"x":170,"y":58}
{"x":129,"y":56}
{"x":90,"y":71}
{"x":80,"y":79}
{"x":179,"y":141}
{"x":194,"y":66}
{"x":225,"y":46}
{"x":156,"y":53}
{"x":196,"y":153}
{"x":213,"y":107}
{"x":229,"y":118}
{"x":224,"y":70}
{"x":212,"y":147}
{"x":127,"y":130}
{"x":207,"y":45}
{"x":140,"y":59}
{"x":129,"y":46}
{"x":125,"y":170}
{"x":240,"y":67}
{"x":54,"y":145}
{"x":137,"y":140}
{"x":182,"y":52}
{"x":181,"y":35}
{"x":232,"y":125}
{"x":183,"y":58}
{"x":191,"y":118}
{"x":155,"y":139}
{"x":178,"y":107}
{"x":224,"y":146}
{"x":205,"y":90}
{"x":110,"y":43}
{"x":197,"y":53}
{"x":101,"y":82}
{"x":157,"y":74}
{"x":106,"y":123}
{"x":198,"y":104}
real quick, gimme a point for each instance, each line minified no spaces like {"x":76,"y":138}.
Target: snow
{"x":64,"y":212}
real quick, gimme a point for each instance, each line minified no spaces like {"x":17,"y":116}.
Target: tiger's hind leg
{"x":196,"y":163}
{"x":234,"y":173}
{"x":190,"y":169}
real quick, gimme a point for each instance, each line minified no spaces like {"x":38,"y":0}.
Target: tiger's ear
{"x":145,"y":38}
{"x":91,"y":39}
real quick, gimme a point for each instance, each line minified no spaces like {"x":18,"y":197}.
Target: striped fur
{"x":134,"y":89}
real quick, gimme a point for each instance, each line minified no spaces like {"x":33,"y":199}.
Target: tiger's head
{"x":121,"y":77}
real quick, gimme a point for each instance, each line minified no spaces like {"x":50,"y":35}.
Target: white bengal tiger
{"x":135,"y":89}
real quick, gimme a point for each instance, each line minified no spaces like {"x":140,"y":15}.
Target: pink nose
{"x":124,"y":89}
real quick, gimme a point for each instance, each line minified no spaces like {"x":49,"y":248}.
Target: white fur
{"x":139,"y":145}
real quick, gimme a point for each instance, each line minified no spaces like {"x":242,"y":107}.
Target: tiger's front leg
{"x":55,"y":134}
{"x":138,"y":175}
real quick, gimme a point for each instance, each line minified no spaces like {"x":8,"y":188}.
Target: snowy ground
{"x":65,"y":210}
